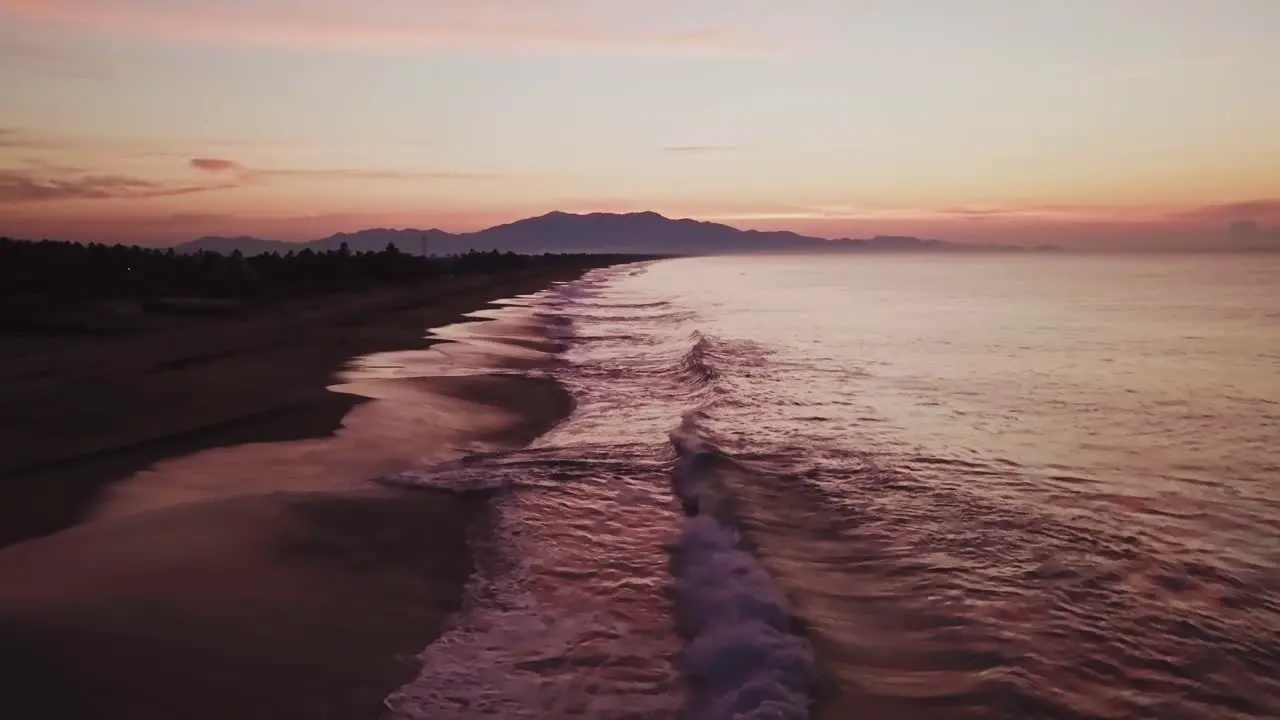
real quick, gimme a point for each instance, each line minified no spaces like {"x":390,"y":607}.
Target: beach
{"x":188,"y":522}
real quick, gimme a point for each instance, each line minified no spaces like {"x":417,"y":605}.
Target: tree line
{"x":71,"y":273}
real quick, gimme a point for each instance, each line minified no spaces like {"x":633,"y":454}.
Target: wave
{"x":564,"y":615}
{"x":660,"y":314}
{"x":636,"y":306}
{"x":693,"y":368}
{"x":670,"y":317}
{"x":742,"y":658}
{"x":591,"y":598}
{"x":696,"y":368}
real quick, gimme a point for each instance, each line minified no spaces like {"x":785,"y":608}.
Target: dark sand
{"x":275,"y":602}
{"x":77,"y":414}
{"x":278,"y":606}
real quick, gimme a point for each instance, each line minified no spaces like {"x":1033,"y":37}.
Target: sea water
{"x":956,"y":486}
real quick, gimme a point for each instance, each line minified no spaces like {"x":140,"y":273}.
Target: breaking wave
{"x":743,"y":660}
{"x":594,"y":595}
{"x":694,"y":367}
{"x":758,"y":510}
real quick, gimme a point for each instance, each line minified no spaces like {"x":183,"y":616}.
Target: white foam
{"x":568,"y":615}
{"x":564,"y":616}
{"x":742,"y":660}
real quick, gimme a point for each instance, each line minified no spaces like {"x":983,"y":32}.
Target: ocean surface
{"x":987,"y":486}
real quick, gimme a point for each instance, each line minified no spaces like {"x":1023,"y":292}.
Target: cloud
{"x":114,"y":148}
{"x":243,"y":172}
{"x":975,"y":217}
{"x":1165,"y":221}
{"x":217,"y":165}
{"x":353,"y":174}
{"x":1045,"y":213}
{"x":35,"y":180}
{"x":18,"y":186}
{"x":22,"y":138}
{"x":971,"y":214}
{"x":384,"y":27}
{"x":1263,"y":210}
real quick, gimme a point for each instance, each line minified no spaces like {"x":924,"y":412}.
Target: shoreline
{"x":291,"y":605}
{"x":101,"y":411}
{"x":281,"y":599}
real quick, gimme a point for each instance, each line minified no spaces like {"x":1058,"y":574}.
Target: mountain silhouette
{"x":561,"y":232}
{"x":245,"y":244}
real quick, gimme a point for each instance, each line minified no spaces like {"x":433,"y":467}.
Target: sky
{"x":1089,"y":123}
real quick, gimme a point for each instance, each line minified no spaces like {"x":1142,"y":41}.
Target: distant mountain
{"x":560,"y":232}
{"x":227,"y":245}
{"x":645,"y":232}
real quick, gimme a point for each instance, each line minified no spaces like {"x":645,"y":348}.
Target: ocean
{"x":934,"y":486}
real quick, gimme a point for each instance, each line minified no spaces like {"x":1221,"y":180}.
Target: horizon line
{"x":1267,"y":233}
{"x":549,"y":213}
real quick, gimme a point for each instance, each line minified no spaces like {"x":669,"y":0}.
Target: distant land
{"x":560,"y":232}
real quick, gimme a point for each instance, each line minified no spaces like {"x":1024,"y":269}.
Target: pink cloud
{"x":218,"y":165}
{"x":1266,"y":210}
{"x":24,"y":186}
{"x":242,"y":171}
{"x":382,"y":27}
{"x":980,"y":215}
{"x":44,"y":182}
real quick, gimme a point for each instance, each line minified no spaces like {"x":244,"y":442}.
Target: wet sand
{"x":78,"y":414}
{"x":278,"y":606}
{"x":226,"y":579}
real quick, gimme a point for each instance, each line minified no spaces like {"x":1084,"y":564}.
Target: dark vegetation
{"x":76,"y":273}
{"x":48,"y":276}
{"x":40,"y":280}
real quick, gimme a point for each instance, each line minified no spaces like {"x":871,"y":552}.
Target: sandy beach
{"x":189,"y":525}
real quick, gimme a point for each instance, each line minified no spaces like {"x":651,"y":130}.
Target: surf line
{"x":741,"y":658}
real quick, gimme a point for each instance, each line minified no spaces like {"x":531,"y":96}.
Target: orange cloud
{"x":26,"y":186}
{"x":1266,"y":210}
{"x":36,"y":181}
{"x":225,"y":166}
{"x":487,"y":26}
{"x":972,"y":214}
{"x":1083,"y":225}
{"x":217,"y":165}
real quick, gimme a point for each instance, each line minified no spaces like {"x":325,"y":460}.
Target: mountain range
{"x":560,"y":232}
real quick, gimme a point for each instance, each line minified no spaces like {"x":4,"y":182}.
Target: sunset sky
{"x":1089,"y":122}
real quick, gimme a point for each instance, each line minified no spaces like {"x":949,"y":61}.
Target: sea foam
{"x":742,"y":659}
